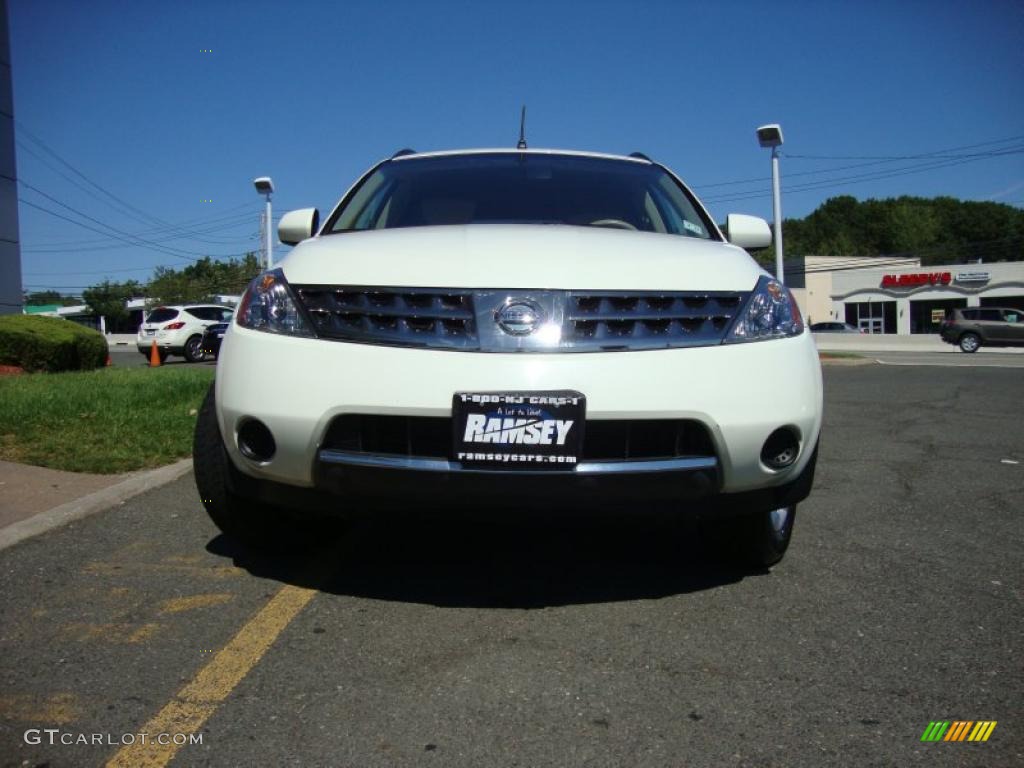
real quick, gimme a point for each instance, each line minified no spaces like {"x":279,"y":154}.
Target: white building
{"x":885,"y":295}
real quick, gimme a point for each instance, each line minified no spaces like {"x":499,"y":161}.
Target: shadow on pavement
{"x":517,"y":564}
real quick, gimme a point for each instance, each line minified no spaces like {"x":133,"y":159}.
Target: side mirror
{"x":748,"y":232}
{"x":296,"y":226}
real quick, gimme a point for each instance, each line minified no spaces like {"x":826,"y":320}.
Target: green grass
{"x":106,"y":421}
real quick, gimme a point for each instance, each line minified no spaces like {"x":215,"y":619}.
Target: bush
{"x":50,"y":344}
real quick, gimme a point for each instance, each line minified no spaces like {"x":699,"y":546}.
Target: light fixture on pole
{"x":265,"y":186}
{"x":771,"y":136}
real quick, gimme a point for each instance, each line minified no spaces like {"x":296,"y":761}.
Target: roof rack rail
{"x":403,"y":153}
{"x":640,"y":156}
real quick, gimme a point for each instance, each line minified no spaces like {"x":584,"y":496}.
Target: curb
{"x":847,"y":360}
{"x":94,"y":502}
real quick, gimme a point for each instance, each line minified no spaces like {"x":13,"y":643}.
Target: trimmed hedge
{"x":50,"y":344}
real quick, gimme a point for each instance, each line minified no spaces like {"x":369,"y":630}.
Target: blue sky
{"x":314,"y":93}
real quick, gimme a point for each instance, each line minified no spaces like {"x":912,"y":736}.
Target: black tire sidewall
{"x":253,"y":523}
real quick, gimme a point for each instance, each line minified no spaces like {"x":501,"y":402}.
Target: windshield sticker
{"x":695,"y":228}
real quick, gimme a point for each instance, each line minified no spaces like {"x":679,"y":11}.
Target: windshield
{"x":521,"y":188}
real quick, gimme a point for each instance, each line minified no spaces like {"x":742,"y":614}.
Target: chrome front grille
{"x":612,"y":319}
{"x":406,"y":317}
{"x":573,"y":321}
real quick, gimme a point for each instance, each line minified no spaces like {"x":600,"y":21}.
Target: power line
{"x":158,"y":248}
{"x":201,"y":225}
{"x":74,"y":182}
{"x":96,"y":272}
{"x":121,"y":235}
{"x":72,"y":247}
{"x":872,"y":176}
{"x":53,"y":199}
{"x":872,"y":160}
{"x":936,"y":154}
{"x":861,"y":178}
{"x":46,"y":148}
{"x":119,"y":205}
{"x":834,"y":169}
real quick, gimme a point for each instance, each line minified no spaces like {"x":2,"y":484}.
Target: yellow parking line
{"x":191,"y":602}
{"x":199,"y":699}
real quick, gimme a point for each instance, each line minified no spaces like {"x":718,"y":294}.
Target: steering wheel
{"x":616,"y":223}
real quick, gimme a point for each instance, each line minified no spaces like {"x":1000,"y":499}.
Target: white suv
{"x":515,"y":328}
{"x":179,"y":330}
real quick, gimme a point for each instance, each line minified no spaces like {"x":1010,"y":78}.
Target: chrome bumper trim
{"x":385,"y":461}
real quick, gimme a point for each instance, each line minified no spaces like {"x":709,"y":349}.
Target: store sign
{"x":938,"y":315}
{"x":973,"y":277}
{"x":914,"y":280}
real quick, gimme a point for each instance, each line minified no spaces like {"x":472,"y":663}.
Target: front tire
{"x":256,"y":525}
{"x":753,"y":540}
{"x":970,"y":342}
{"x":764,"y":537}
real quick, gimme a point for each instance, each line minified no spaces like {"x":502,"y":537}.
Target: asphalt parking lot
{"x":128,"y":357}
{"x":621,"y":642}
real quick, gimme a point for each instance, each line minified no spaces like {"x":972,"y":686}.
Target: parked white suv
{"x":515,"y":328}
{"x":178,"y":330}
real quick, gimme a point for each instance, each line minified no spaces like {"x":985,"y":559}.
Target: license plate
{"x":150,"y":332}
{"x":518,"y":430}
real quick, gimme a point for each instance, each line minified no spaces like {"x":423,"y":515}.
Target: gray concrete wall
{"x":10,"y":251}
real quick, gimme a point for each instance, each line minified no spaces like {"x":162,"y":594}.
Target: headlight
{"x":770,"y":313}
{"x":268,"y":305}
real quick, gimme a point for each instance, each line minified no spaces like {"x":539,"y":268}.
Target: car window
{"x":201,"y":313}
{"x":223,"y":314}
{"x":1011,"y":316}
{"x":990,"y":315}
{"x":969,"y":314}
{"x":161,"y":315}
{"x":527,"y":188}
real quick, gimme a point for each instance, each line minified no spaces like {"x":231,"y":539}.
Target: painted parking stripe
{"x":198,"y":700}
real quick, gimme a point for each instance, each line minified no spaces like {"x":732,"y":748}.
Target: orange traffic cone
{"x":154,"y":355}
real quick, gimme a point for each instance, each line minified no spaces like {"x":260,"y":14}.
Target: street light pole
{"x":265,"y":186}
{"x":776,"y":212}
{"x":771,"y":136}
{"x":270,"y":238}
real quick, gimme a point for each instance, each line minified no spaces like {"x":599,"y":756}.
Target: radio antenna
{"x":522,"y":129}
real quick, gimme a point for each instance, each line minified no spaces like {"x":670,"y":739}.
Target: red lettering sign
{"x":915,"y":279}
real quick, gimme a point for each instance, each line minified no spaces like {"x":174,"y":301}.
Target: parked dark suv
{"x":973,"y":327}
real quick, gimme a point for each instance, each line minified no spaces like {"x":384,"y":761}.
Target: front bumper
{"x":741,"y":393}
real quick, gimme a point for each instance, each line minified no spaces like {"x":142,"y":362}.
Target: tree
{"x":108,"y":299}
{"x":939,"y":230}
{"x":203,"y":279}
{"x":42,"y":298}
{"x":197,"y":282}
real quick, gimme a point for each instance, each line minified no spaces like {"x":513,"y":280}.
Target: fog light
{"x":255,"y":441}
{"x":780,"y":449}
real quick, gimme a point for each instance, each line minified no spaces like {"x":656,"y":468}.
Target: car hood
{"x":521,"y":256}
